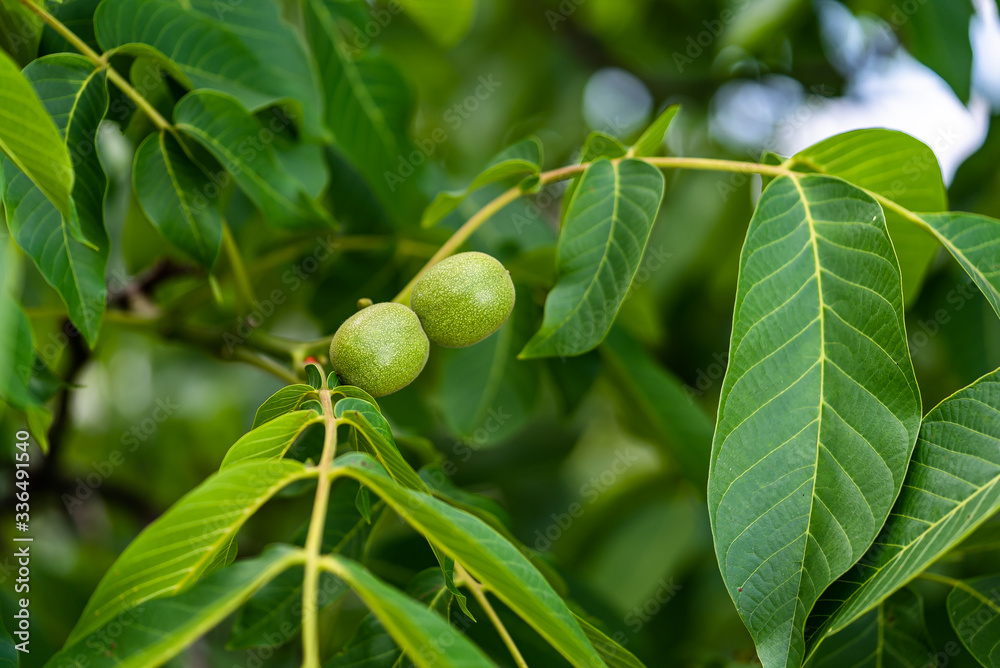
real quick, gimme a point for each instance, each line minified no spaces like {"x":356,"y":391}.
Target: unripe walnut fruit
{"x":463,"y":299}
{"x":380,"y":349}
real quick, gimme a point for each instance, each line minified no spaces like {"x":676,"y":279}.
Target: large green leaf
{"x":937,"y":34}
{"x":174,"y":193}
{"x":486,"y":393}
{"x":271,"y":440}
{"x":447,"y":21}
{"x":223,"y":126}
{"x":975,"y":242}
{"x":152,"y":633}
{"x":896,"y":166}
{"x":893,"y":635}
{"x":75,"y":95}
{"x":819,"y":409}
{"x":288,"y":398}
{"x":658,"y":405}
{"x":244,"y":49}
{"x":522,"y":159}
{"x":30,"y":138}
{"x":427,"y":638}
{"x":952,"y":487}
{"x":610,"y":218}
{"x":175,"y":550}
{"x":487,"y":555}
{"x":974,"y":609}
{"x":368,"y":109}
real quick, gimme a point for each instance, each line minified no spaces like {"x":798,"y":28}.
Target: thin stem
{"x":243,"y":285}
{"x":314,"y":540}
{"x":266,"y":364}
{"x":477,"y":590}
{"x":940,"y":579}
{"x":100,"y":61}
{"x":480,"y":217}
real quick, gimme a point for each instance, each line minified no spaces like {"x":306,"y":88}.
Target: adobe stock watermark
{"x":453,"y":117}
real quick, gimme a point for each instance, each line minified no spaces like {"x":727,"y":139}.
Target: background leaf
{"x":445,"y":20}
{"x":220,"y":124}
{"x":974,"y":610}
{"x":71,"y":253}
{"x":174,"y":551}
{"x":30,"y":138}
{"x":602,"y":242}
{"x":896,"y":166}
{"x":245,"y":50}
{"x":174,"y":195}
{"x":893,"y":635}
{"x":951,"y":488}
{"x":819,"y":409}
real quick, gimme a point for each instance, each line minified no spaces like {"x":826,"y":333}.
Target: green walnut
{"x":463,"y":299}
{"x":381,"y":349}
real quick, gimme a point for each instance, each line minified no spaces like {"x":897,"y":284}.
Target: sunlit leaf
{"x":974,"y":609}
{"x":31,"y":140}
{"x":174,"y":551}
{"x":177,"y":197}
{"x":819,"y":409}
{"x":271,"y":440}
{"x":71,"y":253}
{"x":951,"y":488}
{"x":600,"y":247}
{"x":284,"y":400}
{"x":489,"y":557}
{"x":155,"y":631}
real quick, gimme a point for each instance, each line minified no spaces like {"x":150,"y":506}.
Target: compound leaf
{"x":819,"y":409}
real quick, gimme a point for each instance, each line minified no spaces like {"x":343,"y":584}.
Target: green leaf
{"x":351,"y":392}
{"x":605,"y":234}
{"x":660,"y":407}
{"x":30,"y":138}
{"x":16,"y":344}
{"x":446,"y":21}
{"x":219,"y":123}
{"x":486,"y":393}
{"x":652,"y":138}
{"x":893,"y":635}
{"x":975,"y":242}
{"x":20,"y":32}
{"x":426,"y":637}
{"x":376,"y":432}
{"x":154,"y":632}
{"x":937,"y":34}
{"x":896,"y":166}
{"x":173,"y":192}
{"x":284,"y":400}
{"x":519,"y":160}
{"x":273,"y":616}
{"x":597,"y":145}
{"x":952,"y":487}
{"x":271,"y":440}
{"x":372,"y":646}
{"x":974,"y":610}
{"x":75,"y":95}
{"x":173,"y":552}
{"x":490,"y":558}
{"x":614,"y":655}
{"x":245,"y":50}
{"x":819,"y":409}
{"x":369,"y":107}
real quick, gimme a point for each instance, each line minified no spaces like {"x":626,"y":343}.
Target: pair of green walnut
{"x":456,"y":303}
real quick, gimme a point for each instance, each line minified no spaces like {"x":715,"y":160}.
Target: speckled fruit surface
{"x":463,"y":299}
{"x":380,"y":349}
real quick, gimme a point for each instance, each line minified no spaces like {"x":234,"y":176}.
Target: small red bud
{"x":312,"y":360}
